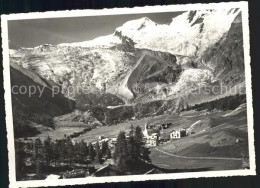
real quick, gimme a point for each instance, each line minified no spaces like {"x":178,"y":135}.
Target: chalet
{"x":175,"y":134}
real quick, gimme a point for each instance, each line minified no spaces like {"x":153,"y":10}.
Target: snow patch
{"x":190,"y":79}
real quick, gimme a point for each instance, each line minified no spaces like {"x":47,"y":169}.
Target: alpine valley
{"x":142,"y":73}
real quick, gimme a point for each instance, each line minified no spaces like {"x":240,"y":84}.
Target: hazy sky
{"x":34,"y":32}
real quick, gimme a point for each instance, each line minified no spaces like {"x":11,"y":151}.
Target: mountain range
{"x":143,"y":68}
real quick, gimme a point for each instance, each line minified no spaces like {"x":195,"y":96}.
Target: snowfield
{"x":191,"y":79}
{"x":90,"y":64}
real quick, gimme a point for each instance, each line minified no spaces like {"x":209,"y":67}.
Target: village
{"x":158,"y":134}
{"x":153,"y":135}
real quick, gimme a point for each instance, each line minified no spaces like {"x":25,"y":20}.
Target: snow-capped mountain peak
{"x":188,"y":34}
{"x":179,"y":54}
{"x":136,"y":25}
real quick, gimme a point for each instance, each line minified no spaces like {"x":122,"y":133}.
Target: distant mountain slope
{"x":34,"y":108}
{"x":226,"y":57}
{"x":90,"y":100}
{"x":86,"y":117}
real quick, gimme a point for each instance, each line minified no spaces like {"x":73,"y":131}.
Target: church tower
{"x":145,"y":132}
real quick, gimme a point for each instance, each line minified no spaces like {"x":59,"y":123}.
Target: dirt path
{"x":186,"y":157}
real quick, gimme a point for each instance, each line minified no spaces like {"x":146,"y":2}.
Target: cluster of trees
{"x":118,"y":115}
{"x":58,"y":153}
{"x":41,"y":119}
{"x":22,"y":128}
{"x":42,"y":156}
{"x":22,"y":121}
{"x":77,"y":134}
{"x":86,"y":100}
{"x":226,"y":103}
{"x":129,"y":150}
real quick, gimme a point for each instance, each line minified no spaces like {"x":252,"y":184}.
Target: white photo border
{"x":243,"y":6}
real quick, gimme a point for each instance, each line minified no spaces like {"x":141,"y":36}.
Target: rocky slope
{"x":226,"y":57}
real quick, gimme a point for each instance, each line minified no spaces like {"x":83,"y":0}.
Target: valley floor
{"x":219,"y":140}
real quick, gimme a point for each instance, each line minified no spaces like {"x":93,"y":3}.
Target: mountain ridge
{"x":138,"y":66}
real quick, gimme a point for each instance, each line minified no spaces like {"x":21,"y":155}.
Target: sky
{"x":35,"y":32}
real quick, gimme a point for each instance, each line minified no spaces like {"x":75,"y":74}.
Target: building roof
{"x":52,"y":177}
{"x":151,"y":131}
{"x":173,"y":130}
{"x":105,"y":168}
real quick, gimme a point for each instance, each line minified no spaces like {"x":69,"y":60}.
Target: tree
{"x":69,"y":150}
{"x":91,"y":152}
{"x":56,"y":153}
{"x":83,"y":151}
{"x":60,"y":145}
{"x":20,"y":156}
{"x":104,"y":149}
{"x":138,"y":138}
{"x":141,"y":152}
{"x":187,"y":107}
{"x":47,"y":150}
{"x":38,"y":157}
{"x":120,"y":155}
{"x":210,"y":106}
{"x":77,"y":152}
{"x":131,"y":145}
{"x":38,"y":167}
{"x":108,"y":153}
{"x":98,"y":154}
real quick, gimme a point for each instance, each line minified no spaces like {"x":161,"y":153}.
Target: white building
{"x":175,"y":134}
{"x":151,"y":139}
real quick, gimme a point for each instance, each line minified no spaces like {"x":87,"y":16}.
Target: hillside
{"x":37,"y":108}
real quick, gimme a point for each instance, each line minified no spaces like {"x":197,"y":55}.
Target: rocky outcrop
{"x":226,"y":57}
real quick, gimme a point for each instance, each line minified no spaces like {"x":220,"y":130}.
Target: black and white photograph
{"x":128,"y":94}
